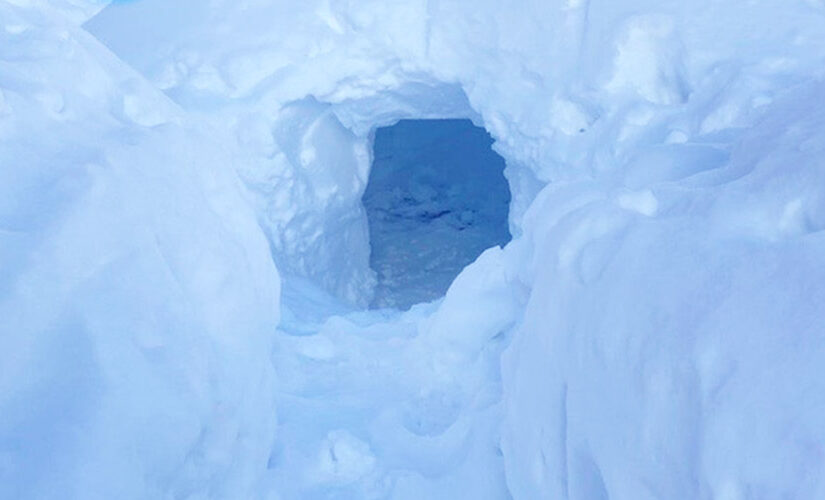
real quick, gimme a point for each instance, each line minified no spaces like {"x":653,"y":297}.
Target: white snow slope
{"x":656,"y":328}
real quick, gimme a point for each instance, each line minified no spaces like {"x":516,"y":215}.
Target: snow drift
{"x":660,"y":307}
{"x":138,"y":296}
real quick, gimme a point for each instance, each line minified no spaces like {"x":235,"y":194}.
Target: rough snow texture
{"x":662,"y":296}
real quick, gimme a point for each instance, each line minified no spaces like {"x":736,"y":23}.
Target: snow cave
{"x":436,"y":198}
{"x":226,"y":229}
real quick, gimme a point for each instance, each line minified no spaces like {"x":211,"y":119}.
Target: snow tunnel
{"x":435,"y":200}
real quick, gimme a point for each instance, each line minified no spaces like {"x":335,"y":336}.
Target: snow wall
{"x":663,"y":293}
{"x":137,"y":293}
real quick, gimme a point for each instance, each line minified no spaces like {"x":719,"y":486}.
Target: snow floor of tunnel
{"x":436,"y":199}
{"x":368,"y":407}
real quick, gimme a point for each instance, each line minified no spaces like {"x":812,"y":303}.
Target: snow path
{"x":367,"y":411}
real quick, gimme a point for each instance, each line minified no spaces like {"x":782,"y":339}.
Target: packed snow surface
{"x":185,"y":255}
{"x":436,"y":198}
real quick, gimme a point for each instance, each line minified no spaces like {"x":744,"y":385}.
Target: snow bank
{"x":137,"y":294}
{"x":679,"y":347}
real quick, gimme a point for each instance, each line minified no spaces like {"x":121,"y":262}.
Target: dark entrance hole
{"x":436,"y":198}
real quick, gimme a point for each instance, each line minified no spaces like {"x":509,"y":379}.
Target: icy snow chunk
{"x":136,"y":109}
{"x":649,"y":60}
{"x":488,"y":285}
{"x":721,"y":118}
{"x":793,"y":220}
{"x":344,"y":458}
{"x":677,"y":137}
{"x":432,"y":413}
{"x":643,"y":202}
{"x":568,"y":117}
{"x":317,"y":347}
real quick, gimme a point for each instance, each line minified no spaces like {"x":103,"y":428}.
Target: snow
{"x":186,"y":256}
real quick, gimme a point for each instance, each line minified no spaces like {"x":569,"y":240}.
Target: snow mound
{"x":137,"y":294}
{"x":680,"y":351}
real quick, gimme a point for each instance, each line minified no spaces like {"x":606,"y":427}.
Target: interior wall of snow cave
{"x":435,"y":200}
